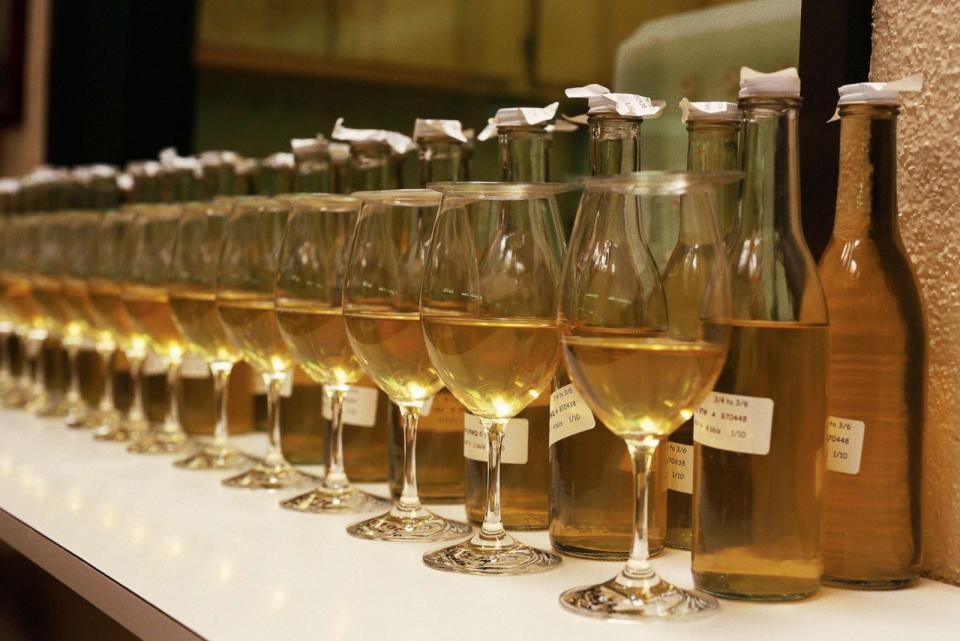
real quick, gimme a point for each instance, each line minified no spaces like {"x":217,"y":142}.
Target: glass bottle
{"x":312,"y":158}
{"x":524,"y":152}
{"x":759,"y":442}
{"x":871,"y":529}
{"x":591,"y":504}
{"x":440,"y":429}
{"x":712,"y":145}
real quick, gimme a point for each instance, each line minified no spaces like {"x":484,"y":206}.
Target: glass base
{"x":271,"y":476}
{"x":120,"y":431}
{"x":409,"y":525}
{"x":46,"y":406}
{"x":504,"y":556}
{"x":644,"y":602}
{"x":14,"y":398}
{"x":214,"y":457}
{"x":79,"y":416}
{"x":159,"y":443}
{"x":347,"y":500}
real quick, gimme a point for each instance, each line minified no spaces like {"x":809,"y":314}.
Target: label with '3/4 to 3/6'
{"x":680,"y":467}
{"x":734,"y":423}
{"x":359,"y":407}
{"x":844,"y":444}
{"x":514,"y":448}
{"x":569,"y":414}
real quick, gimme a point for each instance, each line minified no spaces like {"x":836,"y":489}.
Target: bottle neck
{"x":614,"y":145}
{"x":373,"y":166}
{"x":524,"y":154}
{"x":713,"y":145}
{"x":440,"y":160}
{"x":771,"y":186}
{"x":867,"y":186}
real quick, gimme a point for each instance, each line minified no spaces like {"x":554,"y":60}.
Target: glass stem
{"x":221,"y":376}
{"x":107,"y":406}
{"x":137,"y":411}
{"x":24,"y":378}
{"x":274,"y":382}
{"x":336,"y":476}
{"x":4,"y":359}
{"x":171,"y":425}
{"x":409,"y":500}
{"x":639,"y":572}
{"x":73,"y":356}
{"x":492,"y":528}
{"x":35,"y":349}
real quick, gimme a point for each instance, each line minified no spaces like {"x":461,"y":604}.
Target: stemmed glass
{"x":381,"y":305}
{"x":192,"y":290}
{"x":644,"y":344}
{"x":148,"y":305}
{"x":307,"y":293}
{"x":114,"y":255}
{"x":245,"y":274}
{"x":488,"y":309}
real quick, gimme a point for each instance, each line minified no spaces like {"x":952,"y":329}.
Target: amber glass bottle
{"x":712,"y":145}
{"x":871,"y":516}
{"x":440,"y":430}
{"x":759,"y":437}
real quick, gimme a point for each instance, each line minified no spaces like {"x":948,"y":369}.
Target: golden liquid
{"x":496,"y":367}
{"x":112,"y":315}
{"x":195,"y":313}
{"x":17,"y":298}
{"x":871,"y":520}
{"x":391,"y":348}
{"x":439,"y":451}
{"x":149,"y":309}
{"x":77,"y":303}
{"x":252,"y":327}
{"x":48,"y":295}
{"x":640,"y":385}
{"x":317,"y":336}
{"x":756,"y":519}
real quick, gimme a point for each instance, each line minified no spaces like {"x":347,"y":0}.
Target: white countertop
{"x":172,"y":554}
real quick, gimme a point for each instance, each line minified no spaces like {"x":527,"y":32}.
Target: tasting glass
{"x":9,"y":391}
{"x":644,"y":342}
{"x":381,"y":296}
{"x":114,"y":253}
{"x":148,"y":305}
{"x":308,"y":294}
{"x":246,"y":269}
{"x":193,"y":292}
{"x":15,"y":300}
{"x":488,"y":313}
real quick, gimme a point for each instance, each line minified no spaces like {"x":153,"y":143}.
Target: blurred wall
{"x":22,"y":147}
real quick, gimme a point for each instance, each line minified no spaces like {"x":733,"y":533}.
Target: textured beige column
{"x":908,"y":37}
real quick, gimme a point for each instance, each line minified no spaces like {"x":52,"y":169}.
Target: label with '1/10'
{"x":680,"y":467}
{"x":844,"y":444}
{"x":734,"y":423}
{"x":569,"y":414}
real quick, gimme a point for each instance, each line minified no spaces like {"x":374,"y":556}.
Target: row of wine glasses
{"x":462,"y":285}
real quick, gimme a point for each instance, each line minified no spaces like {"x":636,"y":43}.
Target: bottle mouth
{"x":660,"y":183}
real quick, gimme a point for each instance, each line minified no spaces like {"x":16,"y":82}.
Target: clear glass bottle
{"x":712,"y":145}
{"x":757,"y":483}
{"x":524,"y":152}
{"x":871,"y":528}
{"x":440,"y":430}
{"x":591,"y":503}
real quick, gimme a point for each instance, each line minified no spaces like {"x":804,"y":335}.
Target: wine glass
{"x":10,"y":395}
{"x":644,"y":343}
{"x":148,"y":305}
{"x":192,"y":291}
{"x":308,"y":291}
{"x":488,"y":309}
{"x":246,"y":269}
{"x":115,"y":250}
{"x":381,"y":306}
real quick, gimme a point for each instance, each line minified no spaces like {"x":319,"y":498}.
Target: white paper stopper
{"x":708,"y":111}
{"x":785,"y":83}
{"x":518,"y":117}
{"x":436,"y":128}
{"x":399,"y":143}
{"x":339,"y":151}
{"x":601,"y":100}
{"x":877,"y":93}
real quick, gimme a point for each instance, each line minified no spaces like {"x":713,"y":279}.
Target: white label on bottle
{"x":844,"y":444}
{"x":734,"y":423}
{"x":152,"y":365}
{"x":475,"y":445}
{"x":286,"y":387}
{"x":193,"y":367}
{"x":569,"y":414}
{"x":359,"y":407}
{"x":680,"y":467}
{"x":427,"y":406}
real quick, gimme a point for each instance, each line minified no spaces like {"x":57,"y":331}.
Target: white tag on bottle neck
{"x":680,"y":467}
{"x":569,"y":414}
{"x":734,"y":423}
{"x":844,"y":444}
{"x":359,"y":407}
{"x":515,"y":439}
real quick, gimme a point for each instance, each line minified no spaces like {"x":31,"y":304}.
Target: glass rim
{"x":321,"y":201}
{"x":655,"y":183}
{"x":400,"y":197}
{"x":494,"y":190}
